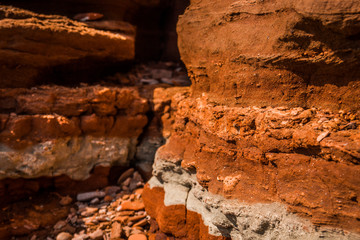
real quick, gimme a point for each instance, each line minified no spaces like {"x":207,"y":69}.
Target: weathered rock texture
{"x":37,"y":48}
{"x":274,"y":53}
{"x":175,"y":219}
{"x":191,"y":212}
{"x":50,"y":131}
{"x":81,"y":138}
{"x":306,"y":160}
{"x":266,"y":144}
{"x":159,"y":127}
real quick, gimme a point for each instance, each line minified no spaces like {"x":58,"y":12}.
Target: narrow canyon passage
{"x":170,"y":119}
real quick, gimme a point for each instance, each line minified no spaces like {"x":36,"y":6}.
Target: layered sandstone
{"x":54,"y":130}
{"x":299,"y":161}
{"x":37,"y":49}
{"x":266,"y":142}
{"x":81,"y":138}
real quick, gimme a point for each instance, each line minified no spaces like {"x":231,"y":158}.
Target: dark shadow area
{"x":309,"y":151}
{"x":86,"y":70}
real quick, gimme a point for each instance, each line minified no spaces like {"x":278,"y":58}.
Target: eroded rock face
{"x":189,"y":211}
{"x":175,"y":219}
{"x":304,"y":160}
{"x":50,"y":131}
{"x":159,"y":127}
{"x":274,"y":53}
{"x":35,"y":48}
{"x":266,"y":143}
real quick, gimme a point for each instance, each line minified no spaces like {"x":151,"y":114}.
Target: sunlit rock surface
{"x":267,"y":139}
{"x":37,"y":48}
{"x":54,"y":130}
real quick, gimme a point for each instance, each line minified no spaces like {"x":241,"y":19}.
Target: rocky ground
{"x":114,"y":212}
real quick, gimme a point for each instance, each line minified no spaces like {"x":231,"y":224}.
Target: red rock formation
{"x":274,"y":53}
{"x":61,"y":132}
{"x":68,"y":126}
{"x":63,"y":123}
{"x":267,"y":139}
{"x":36,"y":47}
{"x":175,"y":220}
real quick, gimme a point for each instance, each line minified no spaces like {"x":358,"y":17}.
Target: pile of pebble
{"x":115,"y":212}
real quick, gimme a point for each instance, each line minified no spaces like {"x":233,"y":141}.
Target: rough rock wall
{"x":52,"y":131}
{"x":274,"y":53}
{"x":65,"y":132}
{"x":266,"y":143}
